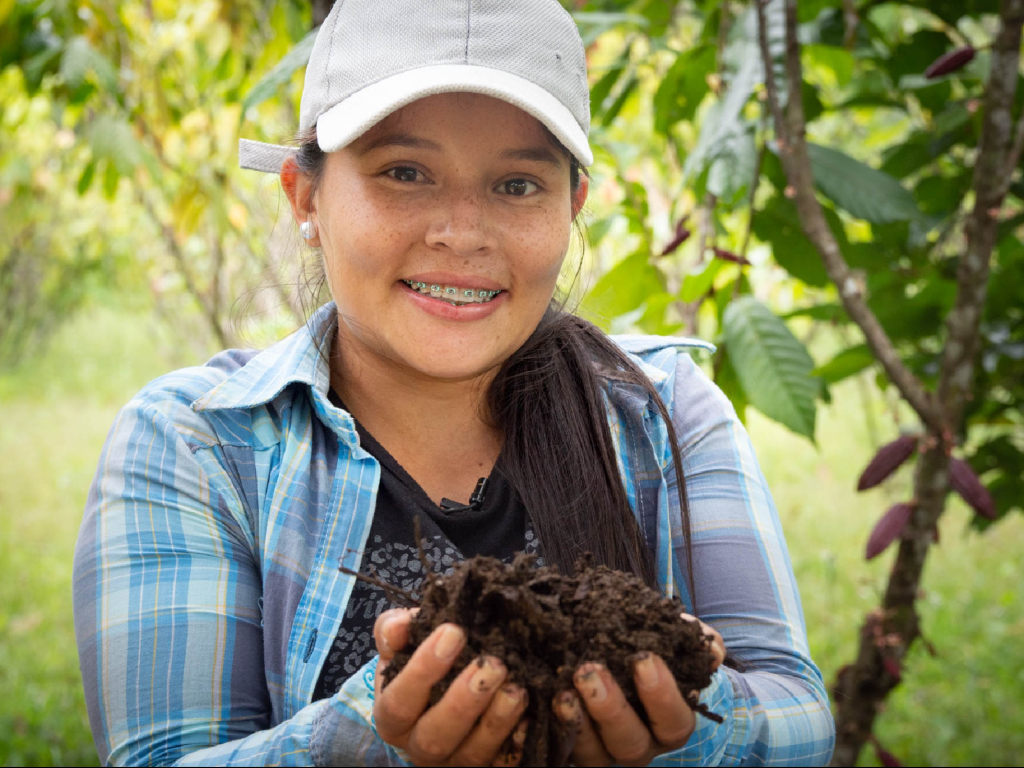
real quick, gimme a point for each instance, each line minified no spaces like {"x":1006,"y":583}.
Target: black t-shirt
{"x":499,"y":528}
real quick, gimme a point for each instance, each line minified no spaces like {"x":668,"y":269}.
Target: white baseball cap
{"x":372,"y":57}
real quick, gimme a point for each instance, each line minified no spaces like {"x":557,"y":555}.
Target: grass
{"x":962,"y":707}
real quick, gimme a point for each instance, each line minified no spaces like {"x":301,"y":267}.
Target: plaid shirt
{"x":207,"y":591}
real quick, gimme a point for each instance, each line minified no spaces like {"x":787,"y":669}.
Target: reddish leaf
{"x":889,"y":458}
{"x":950,"y":62}
{"x":888,"y":529}
{"x":888,"y":759}
{"x":892,"y":667}
{"x":680,"y":238}
{"x":721,"y":253}
{"x":968,"y":485}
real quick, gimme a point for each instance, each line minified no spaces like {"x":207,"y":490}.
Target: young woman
{"x":439,"y":174}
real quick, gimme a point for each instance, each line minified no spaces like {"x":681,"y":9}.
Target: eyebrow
{"x":400,"y":140}
{"x":536,"y":154}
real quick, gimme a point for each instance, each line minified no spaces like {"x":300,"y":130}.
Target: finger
{"x":484,"y":742}
{"x":391,"y":631}
{"x":583,"y":744}
{"x":511,"y":757}
{"x":399,"y":705}
{"x":443,"y":728}
{"x":624,"y":735}
{"x":715,"y":638}
{"x":671,"y":720}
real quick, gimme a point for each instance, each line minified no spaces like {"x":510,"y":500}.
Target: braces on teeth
{"x":455,"y":296}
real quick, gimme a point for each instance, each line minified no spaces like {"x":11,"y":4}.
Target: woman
{"x":439,"y":174}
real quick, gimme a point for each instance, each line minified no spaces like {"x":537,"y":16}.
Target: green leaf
{"x":847,"y":363}
{"x":683,"y":87}
{"x":620,"y":100}
{"x":282,"y":72}
{"x":729,"y":383}
{"x":778,"y":225}
{"x":111,"y":139}
{"x":603,"y":87}
{"x":732,"y":169}
{"x":626,"y":286}
{"x":859,"y":189}
{"x":85,"y":180}
{"x":696,"y":285}
{"x":79,"y":59}
{"x":771,"y":364}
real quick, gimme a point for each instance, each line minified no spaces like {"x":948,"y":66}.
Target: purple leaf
{"x":968,"y":485}
{"x":889,"y":458}
{"x":888,"y":529}
{"x":950,"y":62}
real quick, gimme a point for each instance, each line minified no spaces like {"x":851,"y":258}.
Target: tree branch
{"x":998,"y":153}
{"x":790,"y":128}
{"x":887,"y":635}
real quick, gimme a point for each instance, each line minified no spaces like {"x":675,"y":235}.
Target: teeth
{"x":453,"y":295}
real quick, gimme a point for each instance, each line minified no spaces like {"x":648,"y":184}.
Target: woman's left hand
{"x":610,"y":731}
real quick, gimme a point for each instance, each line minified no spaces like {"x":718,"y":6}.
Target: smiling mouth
{"x":457,"y":297}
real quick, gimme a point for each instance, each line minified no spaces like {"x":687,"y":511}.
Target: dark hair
{"x":548,"y":399}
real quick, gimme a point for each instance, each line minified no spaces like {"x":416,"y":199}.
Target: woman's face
{"x":443,"y":230}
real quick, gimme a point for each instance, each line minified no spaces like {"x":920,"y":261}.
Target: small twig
{"x":399,"y":596}
{"x":417,"y":531}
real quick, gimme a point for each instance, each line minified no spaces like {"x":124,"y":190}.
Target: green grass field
{"x":963,"y":707}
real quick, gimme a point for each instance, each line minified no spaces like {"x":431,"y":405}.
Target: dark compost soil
{"x":543,"y":625}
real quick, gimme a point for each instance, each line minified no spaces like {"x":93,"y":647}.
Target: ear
{"x":579,"y":197}
{"x":297,"y":187}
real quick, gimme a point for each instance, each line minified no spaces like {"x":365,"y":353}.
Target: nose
{"x":462,"y":225}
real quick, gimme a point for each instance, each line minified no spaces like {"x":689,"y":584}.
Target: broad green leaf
{"x":847,"y":363}
{"x":620,"y":100}
{"x":282,"y":72}
{"x":731,"y":172}
{"x":626,"y":286}
{"x":111,"y":139}
{"x":85,"y":180}
{"x":683,"y":87}
{"x":603,"y":87}
{"x":859,"y":189}
{"x":729,"y":383}
{"x":778,"y":225}
{"x":696,"y":285}
{"x":771,"y":364}
{"x":79,"y":59}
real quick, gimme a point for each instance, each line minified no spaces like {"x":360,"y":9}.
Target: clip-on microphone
{"x":475,"y":501}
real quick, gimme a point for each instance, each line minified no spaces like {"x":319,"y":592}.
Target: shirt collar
{"x":301,"y":358}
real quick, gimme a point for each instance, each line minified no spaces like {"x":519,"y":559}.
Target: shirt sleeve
{"x":775,"y":706}
{"x":167,"y":594}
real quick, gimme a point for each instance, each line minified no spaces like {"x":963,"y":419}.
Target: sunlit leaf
{"x":773,"y":366}
{"x":282,"y":72}
{"x":624,"y":287}
{"x":847,"y":363}
{"x":683,"y":87}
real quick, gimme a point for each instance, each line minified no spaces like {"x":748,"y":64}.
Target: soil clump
{"x":543,"y":625}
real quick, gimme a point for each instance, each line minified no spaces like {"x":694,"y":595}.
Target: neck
{"x":436,"y":429}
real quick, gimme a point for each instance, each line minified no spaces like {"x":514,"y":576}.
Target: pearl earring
{"x":307,"y":229}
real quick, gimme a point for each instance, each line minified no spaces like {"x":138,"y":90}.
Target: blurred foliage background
{"x":130,"y":244}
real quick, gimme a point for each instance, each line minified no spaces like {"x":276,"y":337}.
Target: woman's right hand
{"x":447,"y":733}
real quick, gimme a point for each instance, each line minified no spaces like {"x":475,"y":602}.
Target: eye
{"x":518,"y":187}
{"x":405,"y":174}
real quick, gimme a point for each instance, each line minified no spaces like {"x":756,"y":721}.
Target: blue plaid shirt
{"x":207,"y":591}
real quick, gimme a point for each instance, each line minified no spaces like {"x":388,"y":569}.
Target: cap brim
{"x":350,"y":119}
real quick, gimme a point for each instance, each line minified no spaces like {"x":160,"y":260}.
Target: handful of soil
{"x":543,"y":625}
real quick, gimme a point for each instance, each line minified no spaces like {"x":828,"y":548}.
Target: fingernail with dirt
{"x":646,"y":671}
{"x":508,"y":701}
{"x":568,"y":704}
{"x":590,"y":684}
{"x":449,"y":643}
{"x":489,"y":674}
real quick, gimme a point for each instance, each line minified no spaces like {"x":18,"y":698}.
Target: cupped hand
{"x":471,"y":722}
{"x":608,"y":729}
